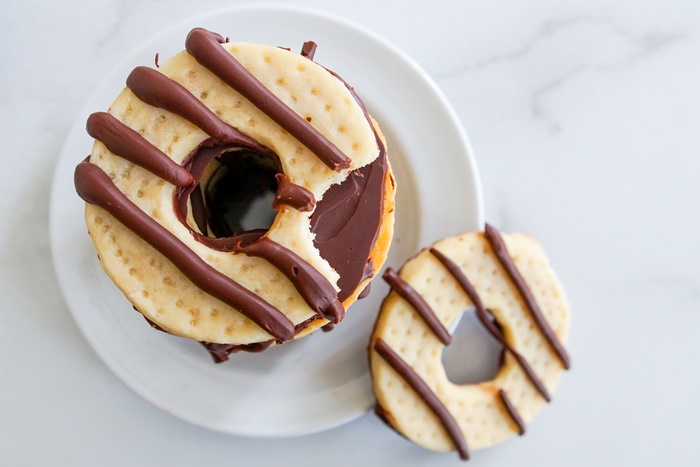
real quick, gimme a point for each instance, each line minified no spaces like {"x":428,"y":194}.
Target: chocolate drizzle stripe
{"x":308,"y":50}
{"x":95,"y":187}
{"x":130,"y":145}
{"x":512,"y":411}
{"x":482,"y":315}
{"x":425,"y":393}
{"x":313,"y":286}
{"x":205,"y":47}
{"x":414,"y":299}
{"x":316,"y":290}
{"x":156,"y":89}
{"x":496,"y":241}
{"x":292,"y":195}
{"x":221,"y":352}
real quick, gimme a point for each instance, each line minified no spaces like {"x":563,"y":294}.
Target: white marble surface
{"x":584,"y":117}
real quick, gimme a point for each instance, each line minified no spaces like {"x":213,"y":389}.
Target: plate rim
{"x":56,"y":182}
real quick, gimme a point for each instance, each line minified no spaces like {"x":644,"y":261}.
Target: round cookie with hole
{"x":240,"y":194}
{"x":517,"y":298}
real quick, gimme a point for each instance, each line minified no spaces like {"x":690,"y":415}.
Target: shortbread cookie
{"x":506,"y":275}
{"x":184,"y":152}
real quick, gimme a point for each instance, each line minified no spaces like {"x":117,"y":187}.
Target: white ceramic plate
{"x":321,"y":381}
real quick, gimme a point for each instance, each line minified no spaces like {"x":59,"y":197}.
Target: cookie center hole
{"x":238,"y":188}
{"x":473,"y":355}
